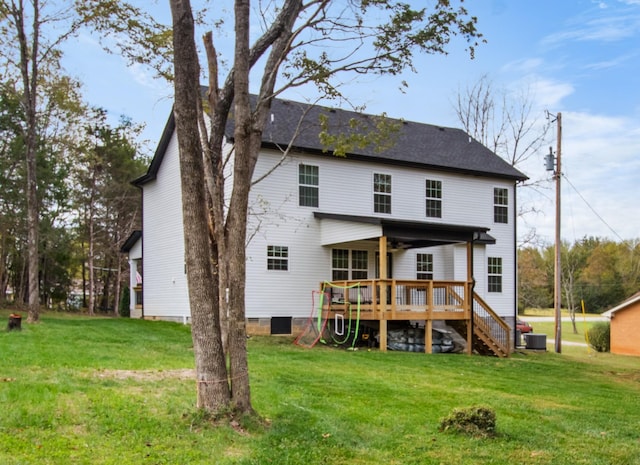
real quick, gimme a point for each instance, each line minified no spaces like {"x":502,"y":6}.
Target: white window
{"x":424,"y":266}
{"x":494,"y":272}
{"x":381,"y":193}
{"x":500,"y":205}
{"x":359,"y":264}
{"x":349,"y":264}
{"x":308,"y":182}
{"x":433,"y":194}
{"x":277,"y":257}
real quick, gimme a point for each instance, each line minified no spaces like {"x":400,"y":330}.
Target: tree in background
{"x":573,"y":260}
{"x":629,"y":266}
{"x":31,"y":57}
{"x":56,"y":121}
{"x":40,"y":111}
{"x":533,"y":289}
{"x":300,"y":44}
{"x":502,"y":121}
{"x":108,"y":205}
{"x":599,"y":272}
{"x":506,"y":123}
{"x":600,"y":279}
{"x":12,"y":209}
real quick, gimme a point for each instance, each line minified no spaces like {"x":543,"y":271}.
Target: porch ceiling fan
{"x":398,"y":245}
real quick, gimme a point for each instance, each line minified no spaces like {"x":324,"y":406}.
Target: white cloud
{"x":144,"y":76}
{"x":612,"y":63}
{"x":525,"y":65}
{"x":600,"y":165}
{"x":548,"y":92}
{"x":612,"y":28}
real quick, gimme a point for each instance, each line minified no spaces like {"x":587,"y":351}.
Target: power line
{"x":593,"y":210}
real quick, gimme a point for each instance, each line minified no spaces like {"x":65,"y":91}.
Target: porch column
{"x":469,"y":298}
{"x":382,"y":266}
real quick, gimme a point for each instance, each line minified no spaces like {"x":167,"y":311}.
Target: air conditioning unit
{"x":535,"y":341}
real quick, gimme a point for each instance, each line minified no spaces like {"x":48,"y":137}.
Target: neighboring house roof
{"x":631,"y":300}
{"x":131,"y":241}
{"x":415,"y":144}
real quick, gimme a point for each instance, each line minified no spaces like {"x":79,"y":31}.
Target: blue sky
{"x":577,"y":57}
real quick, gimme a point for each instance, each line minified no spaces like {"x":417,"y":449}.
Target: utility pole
{"x":557,"y":292}
{"x":557,"y":269}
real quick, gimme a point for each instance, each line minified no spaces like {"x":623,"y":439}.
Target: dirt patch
{"x":625,"y":376}
{"x":147,"y":375}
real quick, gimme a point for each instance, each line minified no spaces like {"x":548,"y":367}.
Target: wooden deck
{"x":419,"y":300}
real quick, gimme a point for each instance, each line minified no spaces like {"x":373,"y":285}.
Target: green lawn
{"x":78,"y":390}
{"x":583,"y":323}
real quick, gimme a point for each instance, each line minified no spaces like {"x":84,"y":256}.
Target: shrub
{"x":599,"y":336}
{"x":474,"y":421}
{"x":123,"y":308}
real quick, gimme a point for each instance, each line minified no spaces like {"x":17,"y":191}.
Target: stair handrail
{"x":491,"y":324}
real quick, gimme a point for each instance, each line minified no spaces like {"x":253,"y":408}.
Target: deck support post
{"x":383,"y":335}
{"x":428,"y":337}
{"x":382,"y":246}
{"x":469,"y":298}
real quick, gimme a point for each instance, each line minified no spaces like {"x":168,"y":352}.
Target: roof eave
{"x":128,"y":244}
{"x":407,"y":164}
{"x":158,"y":156}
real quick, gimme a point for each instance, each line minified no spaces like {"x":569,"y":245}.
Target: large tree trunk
{"x":29,"y":71}
{"x":249,"y":125}
{"x":117,"y":287}
{"x":90,"y":256}
{"x":211,"y":373}
{"x":237,"y":217}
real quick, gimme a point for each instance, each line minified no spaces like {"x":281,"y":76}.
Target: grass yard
{"x":78,"y":390}
{"x":583,"y":323}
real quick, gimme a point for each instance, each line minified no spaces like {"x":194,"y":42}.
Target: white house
{"x":433,"y":211}
{"x":133,"y":248}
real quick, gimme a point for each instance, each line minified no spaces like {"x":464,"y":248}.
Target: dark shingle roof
{"x":131,"y":241}
{"x":415,"y":144}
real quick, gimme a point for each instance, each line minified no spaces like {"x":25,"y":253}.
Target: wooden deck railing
{"x":405,"y":299}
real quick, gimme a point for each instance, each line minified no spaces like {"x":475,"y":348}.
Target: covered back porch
{"x":385,"y":299}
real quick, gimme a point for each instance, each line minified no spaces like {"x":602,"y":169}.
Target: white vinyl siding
{"x":276,"y":218}
{"x":335,"y":231}
{"x":344,"y":187}
{"x":165,"y":281}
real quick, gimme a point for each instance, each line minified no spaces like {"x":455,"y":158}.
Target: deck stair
{"x":490,"y":332}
